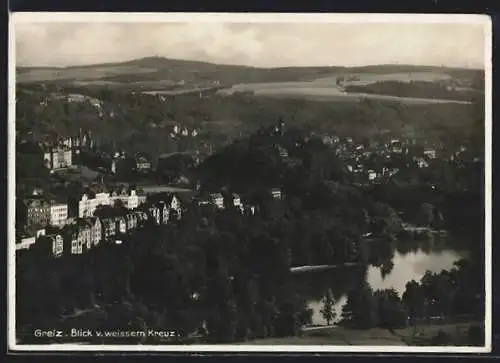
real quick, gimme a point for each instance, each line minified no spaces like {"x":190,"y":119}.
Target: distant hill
{"x":171,"y":71}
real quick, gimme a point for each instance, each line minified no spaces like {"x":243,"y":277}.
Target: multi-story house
{"x":90,"y":201}
{"x":174,"y":204}
{"x":84,"y":233}
{"x":421,"y":162}
{"x":154,"y":211}
{"x":57,"y":158}
{"x":430,"y":153}
{"x":142,"y":164}
{"x":129,"y":198}
{"x":164,"y":212}
{"x":276,"y":193}
{"x":108,"y":228}
{"x":58,"y":214}
{"x":372,"y":175}
{"x":96,"y":230}
{"x":396,"y":146}
{"x":142,"y":217}
{"x":121,"y":225}
{"x":71,"y":240}
{"x":217,"y":200}
{"x":57,"y":242}
{"x":132,"y":220}
{"x":37,"y":211}
{"x":236,"y":201}
{"x":24,"y":242}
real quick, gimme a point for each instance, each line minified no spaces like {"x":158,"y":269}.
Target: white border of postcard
{"x":246,"y":18}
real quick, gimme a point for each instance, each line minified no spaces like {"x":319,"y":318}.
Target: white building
{"x":276,"y":193}
{"x":57,"y":244}
{"x":58,"y":214}
{"x":129,"y":199}
{"x":58,"y":158}
{"x":121,"y":225}
{"x":218,"y":200}
{"x":88,"y":204}
{"x":237,"y":202}
{"x":421,"y":162}
{"x":430,"y":153}
{"x":25,"y":243}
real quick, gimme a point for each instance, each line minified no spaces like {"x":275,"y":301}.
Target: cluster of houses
{"x":94,"y":197}
{"x":77,"y":235}
{"x":183,"y":131}
{"x":358,"y":155}
{"x":51,"y":227}
{"x":176,"y":130}
{"x":58,"y":153}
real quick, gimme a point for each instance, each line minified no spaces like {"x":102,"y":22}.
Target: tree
{"x":328,"y":309}
{"x":391,"y":312}
{"x":414,"y":300}
{"x":361,"y":309}
{"x":427,"y":214}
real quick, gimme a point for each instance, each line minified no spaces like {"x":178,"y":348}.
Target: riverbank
{"x":309,"y":268}
{"x":338,"y":335}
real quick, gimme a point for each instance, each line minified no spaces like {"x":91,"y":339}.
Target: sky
{"x":254,"y":44}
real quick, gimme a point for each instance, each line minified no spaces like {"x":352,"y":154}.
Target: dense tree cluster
{"x":447,"y":294}
{"x":237,"y":266}
{"x":142,"y":122}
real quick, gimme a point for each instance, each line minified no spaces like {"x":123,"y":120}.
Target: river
{"x":403,"y":267}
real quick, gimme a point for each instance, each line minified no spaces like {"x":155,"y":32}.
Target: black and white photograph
{"x":249,"y":182}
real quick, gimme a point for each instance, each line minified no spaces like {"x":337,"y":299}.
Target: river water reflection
{"x":406,"y":266}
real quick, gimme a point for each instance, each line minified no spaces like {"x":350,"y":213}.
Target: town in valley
{"x":229,"y":203}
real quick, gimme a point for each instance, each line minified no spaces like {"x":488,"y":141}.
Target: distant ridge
{"x":162,"y":62}
{"x":156,"y":69}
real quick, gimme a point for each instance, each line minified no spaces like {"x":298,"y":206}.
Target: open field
{"x":77,"y":73}
{"x":308,"y":90}
{"x":338,"y":335}
{"x":318,"y":95}
{"x":367,"y":78}
{"x":178,"y":91}
{"x":331,"y":88}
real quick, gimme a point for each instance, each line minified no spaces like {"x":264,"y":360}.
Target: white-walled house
{"x":25,"y":243}
{"x":154,"y":211}
{"x":58,"y":214}
{"x":237,"y":202}
{"x":108,"y":228}
{"x":121,"y":225}
{"x":89,"y":202}
{"x":372,"y":175}
{"x":57,"y":244}
{"x":276,"y":193}
{"x":96,"y":230}
{"x":217,"y":200}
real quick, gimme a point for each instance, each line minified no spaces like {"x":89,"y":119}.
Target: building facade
{"x":57,"y":158}
{"x":88,"y":203}
{"x":58,"y":214}
{"x":96,"y":230}
{"x":57,"y":244}
{"x":37,"y":212}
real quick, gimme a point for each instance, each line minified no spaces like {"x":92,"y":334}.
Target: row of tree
{"x":447,"y":294}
